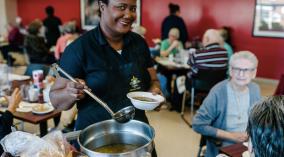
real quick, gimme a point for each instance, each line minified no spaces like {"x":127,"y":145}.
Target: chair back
{"x":206,"y":79}
{"x":32,"y":67}
{"x":280,"y":87}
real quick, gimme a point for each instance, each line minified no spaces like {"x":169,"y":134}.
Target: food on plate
{"x":41,"y":108}
{"x":141,"y":98}
{"x":4,"y":101}
{"x":116,"y":148}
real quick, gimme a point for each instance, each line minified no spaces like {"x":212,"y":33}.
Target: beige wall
{"x":8,"y":13}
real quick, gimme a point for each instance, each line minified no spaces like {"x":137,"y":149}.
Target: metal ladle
{"x":121,"y":116}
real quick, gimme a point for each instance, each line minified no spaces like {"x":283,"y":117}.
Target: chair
{"x":32,"y":67}
{"x":202,"y":83}
{"x":202,"y":143}
{"x":280,"y":87}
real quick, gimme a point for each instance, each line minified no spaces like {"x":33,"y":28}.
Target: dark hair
{"x":102,"y":1}
{"x":34,"y":27}
{"x":265,"y":127}
{"x":49,"y":10}
{"x":173,"y":8}
{"x":226,"y":34}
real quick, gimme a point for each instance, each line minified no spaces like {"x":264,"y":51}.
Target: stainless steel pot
{"x":110,"y":132}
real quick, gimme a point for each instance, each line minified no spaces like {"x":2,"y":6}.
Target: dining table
{"x":32,"y":118}
{"x":172,"y":69}
{"x":17,"y":80}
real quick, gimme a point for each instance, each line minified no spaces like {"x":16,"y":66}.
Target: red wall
{"x":198,"y":15}
{"x":238,"y":14}
{"x":65,"y":9}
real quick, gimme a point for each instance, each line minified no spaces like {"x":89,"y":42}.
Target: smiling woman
{"x":90,"y":13}
{"x":223,"y":115}
{"x":110,"y":60}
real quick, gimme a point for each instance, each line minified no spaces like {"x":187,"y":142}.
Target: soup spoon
{"x":122,"y":116}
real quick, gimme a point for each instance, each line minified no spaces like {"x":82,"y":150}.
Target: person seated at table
{"x":265,"y":128}
{"x":224,"y":113}
{"x":35,"y":45}
{"x":69,"y":30}
{"x":212,"y":56}
{"x":6,"y":119}
{"x":172,"y":45}
{"x":225,"y":33}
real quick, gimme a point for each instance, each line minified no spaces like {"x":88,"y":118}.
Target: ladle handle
{"x":57,"y":68}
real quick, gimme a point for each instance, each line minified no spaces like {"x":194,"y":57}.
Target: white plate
{"x":23,"y":109}
{"x":145,"y":105}
{"x":48,"y":108}
{"x":246,"y":154}
{"x":24,"y":104}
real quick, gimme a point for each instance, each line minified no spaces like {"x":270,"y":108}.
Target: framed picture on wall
{"x":269,"y":18}
{"x":90,"y":14}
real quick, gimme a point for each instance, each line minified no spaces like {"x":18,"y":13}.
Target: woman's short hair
{"x":173,"y":8}
{"x":174,"y":32}
{"x":266,"y":127}
{"x":69,"y":27}
{"x":34,"y":27}
{"x":244,"y":55}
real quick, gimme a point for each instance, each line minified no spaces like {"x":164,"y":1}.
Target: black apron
{"x":122,"y":79}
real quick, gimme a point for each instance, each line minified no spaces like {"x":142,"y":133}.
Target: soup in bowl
{"x":145,"y":100}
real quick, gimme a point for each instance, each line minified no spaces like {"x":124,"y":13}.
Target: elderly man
{"x":172,"y":45}
{"x":213,"y":56}
{"x":265,"y":128}
{"x":223,"y":114}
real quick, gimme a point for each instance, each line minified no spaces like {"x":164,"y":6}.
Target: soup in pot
{"x":141,"y":98}
{"x":116,"y":148}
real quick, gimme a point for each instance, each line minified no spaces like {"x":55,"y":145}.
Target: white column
{"x":8,"y":13}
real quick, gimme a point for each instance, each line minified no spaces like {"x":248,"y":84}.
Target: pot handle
{"x":72,"y":135}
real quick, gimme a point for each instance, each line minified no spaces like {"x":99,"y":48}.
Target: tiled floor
{"x":174,"y":138}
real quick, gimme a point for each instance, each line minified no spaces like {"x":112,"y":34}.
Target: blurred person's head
{"x":69,"y":27}
{"x":212,"y":36}
{"x":225,"y":33}
{"x":34,"y":27}
{"x":243,"y":68}
{"x":266,"y":128}
{"x":117,"y":16}
{"x":18,"y":21}
{"x":49,"y":10}
{"x":174,"y":9}
{"x":173,"y":34}
{"x":139,"y":30}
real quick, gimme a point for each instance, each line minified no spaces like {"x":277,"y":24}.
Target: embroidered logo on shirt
{"x":134,"y":83}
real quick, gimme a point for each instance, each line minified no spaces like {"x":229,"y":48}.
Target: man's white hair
{"x":212,"y":36}
{"x":244,"y":55}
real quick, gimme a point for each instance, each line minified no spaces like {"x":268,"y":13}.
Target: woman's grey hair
{"x":244,"y":55}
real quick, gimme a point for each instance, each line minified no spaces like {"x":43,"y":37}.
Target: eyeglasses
{"x":245,"y":70}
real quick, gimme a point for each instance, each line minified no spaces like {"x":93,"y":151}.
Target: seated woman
{"x":69,"y":30}
{"x":223,"y":114}
{"x":6,"y":119}
{"x":172,"y":44}
{"x":35,"y":45}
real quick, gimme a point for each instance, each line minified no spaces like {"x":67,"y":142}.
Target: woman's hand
{"x":175,"y":44}
{"x":76,"y":90}
{"x":64,"y":93}
{"x":14,"y":100}
{"x":233,"y":136}
{"x":239,"y":136}
{"x":155,"y":89}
